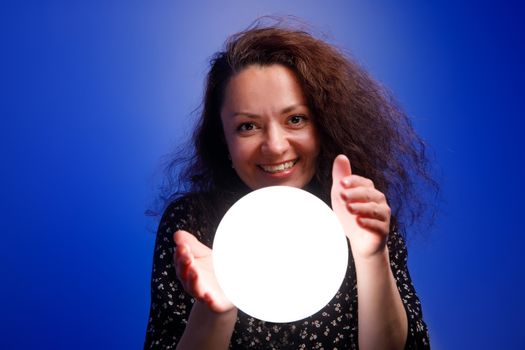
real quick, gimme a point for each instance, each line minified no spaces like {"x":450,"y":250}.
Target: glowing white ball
{"x":280,"y":254}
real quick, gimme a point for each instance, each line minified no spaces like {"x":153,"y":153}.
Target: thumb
{"x":195,"y":246}
{"x":182,"y":237}
{"x":341,"y":168}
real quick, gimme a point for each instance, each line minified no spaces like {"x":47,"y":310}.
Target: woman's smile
{"x":280,"y":168}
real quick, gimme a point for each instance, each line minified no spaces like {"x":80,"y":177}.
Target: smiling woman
{"x":269,"y":129}
{"x":284,"y":108}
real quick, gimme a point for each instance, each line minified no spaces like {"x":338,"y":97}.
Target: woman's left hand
{"x":361,"y":208}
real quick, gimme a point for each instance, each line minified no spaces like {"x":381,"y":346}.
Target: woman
{"x":284,"y":108}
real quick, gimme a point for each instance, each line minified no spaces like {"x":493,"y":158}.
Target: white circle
{"x":280,"y":254}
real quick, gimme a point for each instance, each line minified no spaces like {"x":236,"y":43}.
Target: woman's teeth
{"x":277,"y":168}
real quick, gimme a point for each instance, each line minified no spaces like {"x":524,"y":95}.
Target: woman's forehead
{"x":263,"y":89}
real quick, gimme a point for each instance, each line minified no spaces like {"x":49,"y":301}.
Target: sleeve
{"x":417,"y":337}
{"x":170,"y":304}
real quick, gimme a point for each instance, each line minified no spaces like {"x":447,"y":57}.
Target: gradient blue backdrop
{"x":95,"y":93}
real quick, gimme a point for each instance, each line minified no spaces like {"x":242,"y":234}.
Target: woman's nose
{"x":275,"y":142}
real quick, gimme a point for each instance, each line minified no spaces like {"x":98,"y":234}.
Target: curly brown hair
{"x":353,"y":114}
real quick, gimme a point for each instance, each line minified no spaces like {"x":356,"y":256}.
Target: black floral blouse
{"x":333,"y":327}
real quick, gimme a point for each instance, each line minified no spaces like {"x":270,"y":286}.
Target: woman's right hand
{"x":194,"y":268}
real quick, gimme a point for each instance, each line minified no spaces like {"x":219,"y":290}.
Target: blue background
{"x":94,"y":94}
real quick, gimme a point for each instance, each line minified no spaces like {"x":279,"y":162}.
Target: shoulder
{"x":189,"y":212}
{"x":180,"y":211}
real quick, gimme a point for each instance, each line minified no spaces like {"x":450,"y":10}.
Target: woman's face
{"x":268,"y":128}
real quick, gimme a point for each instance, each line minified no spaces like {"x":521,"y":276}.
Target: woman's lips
{"x":278,"y":168}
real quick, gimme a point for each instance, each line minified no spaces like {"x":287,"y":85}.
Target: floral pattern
{"x":333,"y":327}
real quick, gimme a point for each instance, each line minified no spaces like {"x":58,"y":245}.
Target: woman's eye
{"x":297,"y":119}
{"x":246,"y":127}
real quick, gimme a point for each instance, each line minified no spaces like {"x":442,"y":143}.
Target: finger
{"x":363,"y":194}
{"x":370,"y":210}
{"x":374,"y":225}
{"x":341,"y":168}
{"x":183,"y":259}
{"x":211,"y":302}
{"x":195,"y":285}
{"x":183,"y":279}
{"x":198,"y":249}
{"x":181,"y":236}
{"x":183,"y":254}
{"x":188,"y":282}
{"x":181,"y":271}
{"x":355,"y":181}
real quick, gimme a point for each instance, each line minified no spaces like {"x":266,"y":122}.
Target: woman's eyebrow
{"x":245,"y":114}
{"x":283,"y":111}
{"x":293,"y":107}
